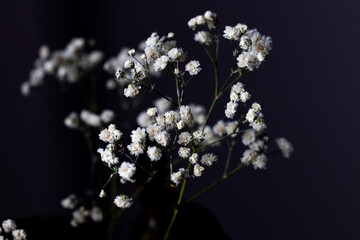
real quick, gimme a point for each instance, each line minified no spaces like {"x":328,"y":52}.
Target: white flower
{"x":136,"y":148}
{"x":199,"y":136}
{"x":184,"y":152}
{"x":123,"y":201}
{"x":232,"y":33}
{"x":198,"y":169}
{"x":175,"y":54}
{"x":231,"y":109}
{"x":234,"y":97}
{"x":243,"y":28}
{"x":8,"y":225}
{"x":138,"y":135}
{"x":193,"y":67}
{"x":154,"y":153}
{"x":152,"y":40}
{"x":251,"y":115}
{"x":192,"y":23}
{"x":143,"y":120}
{"x":152,"y":53}
{"x":107,"y":116}
{"x":25,"y":88}
{"x":72,"y":121}
{"x":184,"y":138}
{"x":248,"y":156}
{"x":230,"y":128}
{"x":237,"y":88}
{"x":177,"y":176}
{"x":171,"y":35}
{"x":259,"y":124}
{"x":220,"y":128}
{"x":194,"y":158}
{"x":162,"y":105}
{"x":186,"y":114}
{"x":131,"y":90}
{"x":152,"y":130}
{"x":244,"y":96}
{"x":107,"y":156}
{"x":285,"y":146}
{"x":152,"y":112}
{"x":260,"y":161}
{"x":161,"y":120}
{"x":129,"y":64}
{"x":90,"y":118}
{"x":208,"y":159}
{"x":111,"y":134}
{"x":131,"y":52}
{"x":256,"y":106}
{"x":209,"y":16}
{"x":180,"y":124}
{"x":127,"y":171}
{"x":248,"y":137}
{"x":69,"y":202}
{"x":96,"y":214}
{"x":200,"y":20}
{"x":170,"y":117}
{"x":19,"y":234}
{"x":203,"y":37}
{"x":162,"y":138}
{"x":161,"y":63}
{"x":248,"y":60}
{"x":102,"y":194}
{"x":79,"y":216}
{"x":244,"y":42}
{"x":258,"y":146}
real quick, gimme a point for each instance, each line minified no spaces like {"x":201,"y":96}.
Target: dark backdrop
{"x":309,"y":85}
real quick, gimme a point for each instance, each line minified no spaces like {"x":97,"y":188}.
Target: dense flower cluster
{"x":10,"y":230}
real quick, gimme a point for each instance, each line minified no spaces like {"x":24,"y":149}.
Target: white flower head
{"x":248,"y":137}
{"x":9,"y":225}
{"x":285,"y":146}
{"x":102,"y":194}
{"x":184,"y":138}
{"x":127,"y":171}
{"x":194,"y":158}
{"x":19,"y":234}
{"x":175,"y":54}
{"x":220,"y":128}
{"x":162,"y":138}
{"x":154,"y":153}
{"x":123,"y":201}
{"x":131,"y":52}
{"x":208,"y":159}
{"x":96,"y":214}
{"x":162,"y":105}
{"x":108,"y":157}
{"x":107,"y":116}
{"x":131,"y":90}
{"x":72,"y":121}
{"x":198,"y":170}
{"x":193,"y":67}
{"x":232,"y":33}
{"x":231,"y":109}
{"x":248,"y":156}
{"x":199,"y":136}
{"x":152,"y":112}
{"x":170,"y":117}
{"x":177,"y":176}
{"x":129,"y":64}
{"x":69,"y":202}
{"x":259,"y":162}
{"x":161,"y":63}
{"x":152,"y":130}
{"x":184,"y":152}
{"x":90,"y":118}
{"x":138,"y":135}
{"x":180,"y":124}
{"x":186,"y":114}
{"x":136,"y":148}
{"x":203,"y":37}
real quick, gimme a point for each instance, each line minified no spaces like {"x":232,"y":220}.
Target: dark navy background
{"x":309,"y":87}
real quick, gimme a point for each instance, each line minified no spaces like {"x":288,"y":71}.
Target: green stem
{"x":216,"y":182}
{"x":231,"y":148}
{"x":210,"y":111}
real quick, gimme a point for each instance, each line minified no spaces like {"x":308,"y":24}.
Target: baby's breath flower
{"x":162,"y":138}
{"x":69,"y":202}
{"x":193,"y":67}
{"x":259,"y":124}
{"x":127,"y":171}
{"x":220,"y":128}
{"x":107,"y":156}
{"x":199,"y":136}
{"x":180,"y":124}
{"x":25,"y":88}
{"x":251,"y":115}
{"x":152,"y":130}
{"x":231,"y":109}
{"x":138,"y":135}
{"x":152,"y":112}
{"x":203,"y":37}
{"x":19,"y":234}
{"x":186,"y":114}
{"x":72,"y":121}
{"x":102,"y":194}
{"x":194,"y":158}
{"x":131,"y":52}
{"x":244,"y":96}
{"x":200,"y":20}
{"x":230,"y":128}
{"x":177,"y":176}
{"x":285,"y":146}
{"x":248,"y":156}
{"x":170,"y":117}
{"x":162,"y":105}
{"x":96,"y":214}
{"x":198,"y":169}
{"x":90,"y":118}
{"x":161,"y":63}
{"x":258,"y":145}
{"x":79,"y":216}
{"x":9,"y":225}
{"x":129,"y":64}
{"x":144,"y":120}
{"x":184,"y":138}
{"x":208,"y":159}
{"x":248,"y":137}
{"x":107,"y":116}
{"x":243,"y":28}
{"x":232,"y":33}
{"x":131,"y":90}
{"x":192,"y":23}
{"x":123,"y":201}
{"x":136,"y":148}
{"x":175,"y":54}
{"x":184,"y":152}
{"x":154,"y":153}
{"x":259,"y":162}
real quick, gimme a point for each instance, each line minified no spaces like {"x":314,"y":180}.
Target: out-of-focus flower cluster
{"x":9,"y":230}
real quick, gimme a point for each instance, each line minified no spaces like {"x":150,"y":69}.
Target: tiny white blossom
{"x":192,"y":23}
{"x":107,"y":116}
{"x":231,"y":109}
{"x":161,"y":63}
{"x":248,"y":137}
{"x":244,"y":96}
{"x":19,"y":234}
{"x":180,"y":124}
{"x":199,"y":136}
{"x":220,"y":128}
{"x":194,"y":158}
{"x":138,"y":135}
{"x":107,"y":156}
{"x":259,"y":124}
{"x":186,"y":114}
{"x":25,"y":88}
{"x":102,"y":193}
{"x":251,"y":115}
{"x":193,"y":67}
{"x":152,"y":130}
{"x":257,"y":107}
{"x":184,"y":138}
{"x":127,"y":171}
{"x":72,"y":121}
{"x":177,"y":176}
{"x":154,"y":153}
{"x":69,"y":202}
{"x":232,"y":33}
{"x":162,"y":105}
{"x":170,"y":117}
{"x":131,"y":52}
{"x":208,"y":159}
{"x":152,"y":112}
{"x":243,"y":28}
{"x":8,"y":225}
{"x":129,"y":64}
{"x":260,"y":161}
{"x":144,"y":120}
{"x":162,"y":138}
{"x":175,"y":54}
{"x":248,"y":156}
{"x":136,"y":148}
{"x":131,"y":90}
{"x":230,"y":128}
{"x":285,"y":146}
{"x":123,"y":201}
{"x":90,"y":118}
{"x":96,"y":214}
{"x":184,"y":152}
{"x":203,"y":37}
{"x":198,"y":169}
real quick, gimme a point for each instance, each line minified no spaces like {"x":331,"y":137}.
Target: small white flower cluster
{"x":257,"y":148}
{"x":9,"y":226}
{"x":89,"y":118}
{"x":222,"y":128}
{"x":69,"y":64}
{"x":237,"y":94}
{"x":285,"y":146}
{"x":256,"y":118}
{"x":123,"y":201}
{"x":110,"y":135}
{"x":209,"y":19}
{"x":81,"y":213}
